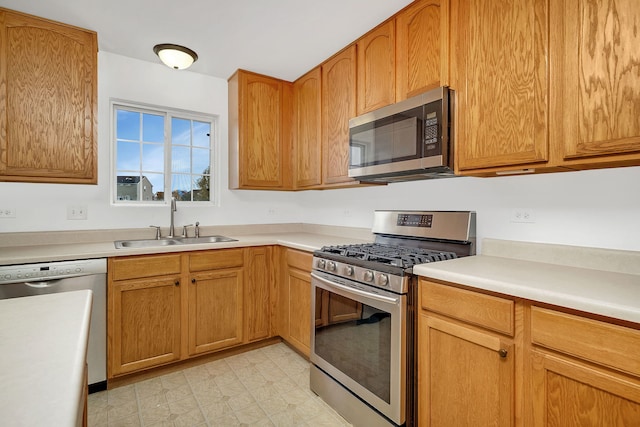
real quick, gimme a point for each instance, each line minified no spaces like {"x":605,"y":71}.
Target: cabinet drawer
{"x":215,"y":259}
{"x":479,"y":309}
{"x":144,"y":266}
{"x":300,"y":260}
{"x":604,"y":343}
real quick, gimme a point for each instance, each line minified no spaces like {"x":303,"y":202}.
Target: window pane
{"x":153,"y":157}
{"x":181,"y":187}
{"x":127,"y":186}
{"x":128,"y":156}
{"x":201,"y":188}
{"x":180,"y":131}
{"x":180,"y":160}
{"x":128,"y":125}
{"x":201,"y":161}
{"x":156,"y":180}
{"x":201,"y":134}
{"x":152,"y":128}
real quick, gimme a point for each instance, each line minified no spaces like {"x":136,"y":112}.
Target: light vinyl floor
{"x":268,"y":386}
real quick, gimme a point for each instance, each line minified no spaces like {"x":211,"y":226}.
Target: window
{"x":162,"y":150}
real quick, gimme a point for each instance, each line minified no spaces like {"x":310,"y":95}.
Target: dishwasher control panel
{"x":51,"y":270}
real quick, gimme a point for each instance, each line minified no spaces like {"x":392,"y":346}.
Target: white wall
{"x":597,"y":208}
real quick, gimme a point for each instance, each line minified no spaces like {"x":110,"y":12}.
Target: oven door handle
{"x":381,"y":298}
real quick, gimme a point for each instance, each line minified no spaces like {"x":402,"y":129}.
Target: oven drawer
{"x":603,"y":343}
{"x":487,"y":311}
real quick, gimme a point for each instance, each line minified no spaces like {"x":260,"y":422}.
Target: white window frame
{"x":168,"y":113}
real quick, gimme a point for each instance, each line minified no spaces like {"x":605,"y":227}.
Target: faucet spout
{"x":172,"y":210}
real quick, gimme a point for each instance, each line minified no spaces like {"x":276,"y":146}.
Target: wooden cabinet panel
{"x":144,"y":266}
{"x":609,"y":345}
{"x":463,"y":379}
{"x":258,"y":293}
{"x":499,"y":71}
{"x":215,"y":259}
{"x":259,"y":131}
{"x":567,"y":393}
{"x":376,"y":68}
{"x":215,"y":310}
{"x":596,"y":85}
{"x":48,"y":96}
{"x":422,"y":35}
{"x":307,"y":122}
{"x":479,"y":309}
{"x":294,"y":324}
{"x":338,"y":106}
{"x":143,"y":323}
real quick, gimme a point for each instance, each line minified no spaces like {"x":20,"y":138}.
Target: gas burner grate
{"x":399,"y":256}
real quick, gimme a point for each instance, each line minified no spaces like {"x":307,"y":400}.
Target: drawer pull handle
{"x":177,"y":283}
{"x":503,"y":353}
{"x":193,"y":280}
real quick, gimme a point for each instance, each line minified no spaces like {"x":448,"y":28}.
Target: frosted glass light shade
{"x":175,"y":56}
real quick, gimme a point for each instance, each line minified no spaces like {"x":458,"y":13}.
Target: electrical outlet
{"x":7,"y":212}
{"x":271,"y":211}
{"x":523,"y":215}
{"x":77,"y":212}
{"x":346,"y":212}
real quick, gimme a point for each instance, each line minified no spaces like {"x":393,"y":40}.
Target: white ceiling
{"x":280,"y":38}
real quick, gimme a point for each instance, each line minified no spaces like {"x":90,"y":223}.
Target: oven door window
{"x":387,"y":140}
{"x":356,"y":339}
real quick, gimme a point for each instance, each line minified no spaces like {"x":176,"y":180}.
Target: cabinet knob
{"x":502,"y":352}
{"x":177,"y":283}
{"x":193,"y":280}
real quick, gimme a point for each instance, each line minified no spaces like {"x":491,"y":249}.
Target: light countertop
{"x":43,"y":345}
{"x":590,"y":280}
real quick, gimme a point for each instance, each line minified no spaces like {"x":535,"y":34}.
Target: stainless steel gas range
{"x":364,"y":313}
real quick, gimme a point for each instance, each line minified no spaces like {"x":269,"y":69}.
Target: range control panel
{"x":415,"y":220}
{"x":51,"y":270}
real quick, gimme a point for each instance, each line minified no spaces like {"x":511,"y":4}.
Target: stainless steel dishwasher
{"x":63,"y":276}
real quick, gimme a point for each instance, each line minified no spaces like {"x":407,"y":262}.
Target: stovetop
{"x":391,"y":255}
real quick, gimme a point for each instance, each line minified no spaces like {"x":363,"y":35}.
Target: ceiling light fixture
{"x":175,"y":56}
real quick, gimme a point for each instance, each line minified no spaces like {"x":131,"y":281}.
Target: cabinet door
{"x":259,"y":115}
{"x":298,"y":285}
{"x":258,"y":293}
{"x":567,"y":393}
{"x":499,"y":72}
{"x":376,"y":67}
{"x":598,"y":89}
{"x":463,"y":379}
{"x":48,"y":99}
{"x":215,"y":310}
{"x":307,"y":122}
{"x":338,"y":106}
{"x":422,"y":35}
{"x":144,"y":323}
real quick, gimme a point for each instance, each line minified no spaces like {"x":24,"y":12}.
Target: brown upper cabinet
{"x":422,"y":39}
{"x":48,"y":101}
{"x":596,"y":89}
{"x":376,"y":68}
{"x":307,"y":111}
{"x":338,"y":106}
{"x":500,"y":75}
{"x":260,"y":112}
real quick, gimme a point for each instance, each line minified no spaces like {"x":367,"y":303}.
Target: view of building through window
{"x":160,"y":150}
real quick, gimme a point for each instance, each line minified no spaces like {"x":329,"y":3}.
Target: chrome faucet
{"x":172,"y":210}
{"x":197,"y":228}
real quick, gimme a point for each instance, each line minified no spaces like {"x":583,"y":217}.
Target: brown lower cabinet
{"x":487,"y":359}
{"x":294,"y":299}
{"x":170,"y":307}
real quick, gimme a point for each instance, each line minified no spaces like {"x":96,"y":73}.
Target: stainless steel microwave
{"x":406,"y":141}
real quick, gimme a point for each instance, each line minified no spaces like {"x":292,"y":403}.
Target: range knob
{"x":348,"y":270}
{"x":383,"y":279}
{"x":368,"y":276}
{"x":321,"y":264}
{"x":331,"y":266}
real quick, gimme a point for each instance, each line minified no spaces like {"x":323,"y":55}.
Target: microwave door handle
{"x":381,"y":298}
